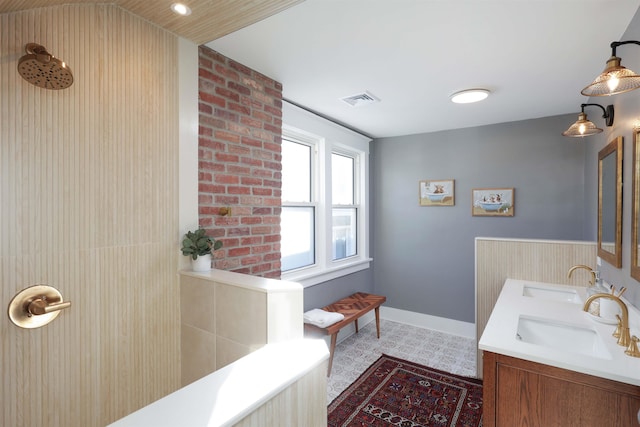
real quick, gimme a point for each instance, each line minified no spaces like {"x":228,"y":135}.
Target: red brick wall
{"x":240,"y":164}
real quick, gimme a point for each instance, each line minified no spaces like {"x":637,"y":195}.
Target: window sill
{"x":315,"y":276}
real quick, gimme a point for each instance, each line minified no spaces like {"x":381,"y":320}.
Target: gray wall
{"x":627,"y":115}
{"x":328,"y":292}
{"x":424,"y":256}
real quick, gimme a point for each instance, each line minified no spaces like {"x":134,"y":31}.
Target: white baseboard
{"x":449,"y":326}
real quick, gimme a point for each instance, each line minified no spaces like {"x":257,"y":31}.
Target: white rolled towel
{"x":322,"y":318}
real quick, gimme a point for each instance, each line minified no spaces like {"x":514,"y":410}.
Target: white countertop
{"x":256,"y":283}
{"x":500,"y":333}
{"x":229,"y":394}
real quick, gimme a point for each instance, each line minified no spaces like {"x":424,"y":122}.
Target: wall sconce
{"x":584,"y":127}
{"x":615,"y":78}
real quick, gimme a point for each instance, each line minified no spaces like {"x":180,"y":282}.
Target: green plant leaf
{"x":197,"y":243}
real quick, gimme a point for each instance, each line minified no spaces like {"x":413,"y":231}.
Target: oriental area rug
{"x":395,"y":392}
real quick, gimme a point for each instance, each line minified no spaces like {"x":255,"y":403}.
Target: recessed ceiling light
{"x":181,"y":9}
{"x":468,"y":96}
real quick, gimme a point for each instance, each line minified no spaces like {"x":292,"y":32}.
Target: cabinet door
{"x":522,"y":393}
{"x":526,"y":398}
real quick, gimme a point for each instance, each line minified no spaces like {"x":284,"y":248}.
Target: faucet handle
{"x":633,"y":347}
{"x":616,"y":333}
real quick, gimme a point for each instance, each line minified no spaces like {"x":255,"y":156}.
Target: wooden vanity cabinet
{"x":517,"y":392}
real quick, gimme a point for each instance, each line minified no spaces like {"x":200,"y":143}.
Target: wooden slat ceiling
{"x":209,"y":20}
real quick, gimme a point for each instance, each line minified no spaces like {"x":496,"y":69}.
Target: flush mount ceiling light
{"x":468,"y":96}
{"x":584,"y":127}
{"x":615,"y":78}
{"x":181,"y":9}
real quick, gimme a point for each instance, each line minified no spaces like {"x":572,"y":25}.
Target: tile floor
{"x":438,"y":350}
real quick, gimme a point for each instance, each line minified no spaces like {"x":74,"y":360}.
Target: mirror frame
{"x":614,"y":146}
{"x":635,"y":201}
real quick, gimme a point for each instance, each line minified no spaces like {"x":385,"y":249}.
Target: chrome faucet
{"x":594,"y":275}
{"x":624,"y":339}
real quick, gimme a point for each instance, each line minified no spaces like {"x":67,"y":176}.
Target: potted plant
{"x":199,"y":246}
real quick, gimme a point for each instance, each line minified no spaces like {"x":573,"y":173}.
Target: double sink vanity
{"x":549,"y":362}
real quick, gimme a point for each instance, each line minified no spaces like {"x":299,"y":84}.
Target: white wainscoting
{"x":536,"y":260}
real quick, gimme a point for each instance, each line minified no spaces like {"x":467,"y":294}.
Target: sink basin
{"x":551,"y":294}
{"x":561,"y":336}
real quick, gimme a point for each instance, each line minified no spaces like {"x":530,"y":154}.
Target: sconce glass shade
{"x":582,"y":127}
{"x":614,"y":79}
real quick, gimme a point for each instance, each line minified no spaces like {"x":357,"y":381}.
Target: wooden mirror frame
{"x":635,"y":201}
{"x":614,"y":147}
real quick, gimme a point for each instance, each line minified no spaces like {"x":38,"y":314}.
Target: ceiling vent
{"x":361,"y":99}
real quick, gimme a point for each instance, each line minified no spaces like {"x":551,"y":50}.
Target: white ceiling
{"x":534,"y":55}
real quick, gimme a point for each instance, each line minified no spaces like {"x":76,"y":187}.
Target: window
{"x":324,"y":221}
{"x":344,"y":213}
{"x":298,"y":208}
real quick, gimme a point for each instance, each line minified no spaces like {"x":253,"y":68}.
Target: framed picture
{"x":492,"y":202}
{"x":436,"y":193}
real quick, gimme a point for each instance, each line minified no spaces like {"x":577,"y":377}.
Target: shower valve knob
{"x":40,"y":306}
{"x":36,"y":306}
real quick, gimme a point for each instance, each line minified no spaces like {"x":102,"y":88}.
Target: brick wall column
{"x":240,"y":164}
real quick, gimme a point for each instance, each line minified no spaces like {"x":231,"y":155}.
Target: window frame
{"x":357,"y":198}
{"x":312,"y":143}
{"x":328,"y":137}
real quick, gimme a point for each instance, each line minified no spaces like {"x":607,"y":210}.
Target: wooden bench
{"x":352,"y":307}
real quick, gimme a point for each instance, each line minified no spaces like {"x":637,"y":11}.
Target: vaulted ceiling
{"x":533,"y":55}
{"x":209,"y":19}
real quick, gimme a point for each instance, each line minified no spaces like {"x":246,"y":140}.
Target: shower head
{"x":42,"y":69}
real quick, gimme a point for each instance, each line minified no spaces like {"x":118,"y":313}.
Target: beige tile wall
{"x":226,"y":316}
{"x":88,"y":204}
{"x":537,"y":260}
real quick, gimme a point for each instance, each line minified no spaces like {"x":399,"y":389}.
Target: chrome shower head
{"x":42,"y":69}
